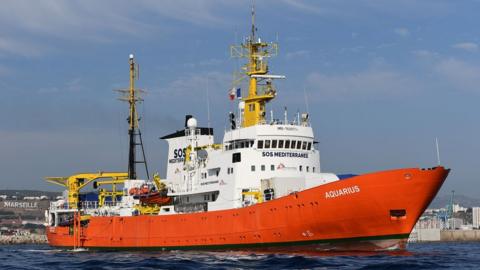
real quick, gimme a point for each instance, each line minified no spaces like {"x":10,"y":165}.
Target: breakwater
{"x":23,"y":239}
{"x":460,"y":235}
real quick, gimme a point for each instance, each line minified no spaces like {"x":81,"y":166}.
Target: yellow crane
{"x":75,"y":183}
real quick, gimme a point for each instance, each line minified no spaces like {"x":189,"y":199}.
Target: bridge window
{"x":300,"y":168}
{"x":309,"y":147}
{"x":304,"y":146}
{"x":252,"y":168}
{"x":267,"y":143}
{"x":272,"y":167}
{"x":299,"y":144}
{"x":262,"y":167}
{"x":274,"y":143}
{"x":313,"y":169}
{"x":293,"y":144}
{"x":260,"y":144}
{"x":308,"y":168}
{"x":280,"y":143}
{"x":236,"y":157}
{"x":287,"y":144}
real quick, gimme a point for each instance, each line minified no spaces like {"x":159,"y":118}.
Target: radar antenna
{"x":260,"y":87}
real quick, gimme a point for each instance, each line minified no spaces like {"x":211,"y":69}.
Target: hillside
{"x":444,"y":199}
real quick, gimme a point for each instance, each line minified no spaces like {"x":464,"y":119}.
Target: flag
{"x":239,"y":93}
{"x":231,"y":94}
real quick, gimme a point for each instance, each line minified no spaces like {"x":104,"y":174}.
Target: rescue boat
{"x":262,"y":187}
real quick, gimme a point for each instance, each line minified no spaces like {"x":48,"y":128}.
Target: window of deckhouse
{"x":252,"y":168}
{"x":272,"y":167}
{"x":299,"y":144}
{"x":236,"y":157}
{"x":300,"y":168}
{"x":304,"y":146}
{"x":274,"y":143}
{"x":267,"y":143}
{"x":309,"y":147}
{"x":293,"y":144}
{"x":280,"y":143}
{"x":262,"y":167}
{"x":308,"y":168}
{"x":260,"y":144}
{"x":287,"y":144}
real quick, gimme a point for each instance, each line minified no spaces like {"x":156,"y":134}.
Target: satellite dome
{"x":192,"y":123}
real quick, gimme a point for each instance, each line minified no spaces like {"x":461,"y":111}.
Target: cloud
{"x":466,"y":46}
{"x":301,"y":5}
{"x":9,"y":46}
{"x":4,"y":70}
{"x":425,"y":54}
{"x":204,"y":63}
{"x":297,"y":54}
{"x":459,"y":74}
{"x":28,"y":27}
{"x":192,"y":84}
{"x":402,"y":31}
{"x":73,"y":85}
{"x":367,"y":84}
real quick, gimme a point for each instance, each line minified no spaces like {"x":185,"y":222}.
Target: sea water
{"x":417,"y":256}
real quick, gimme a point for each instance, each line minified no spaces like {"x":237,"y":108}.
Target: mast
{"x":260,"y":89}
{"x":132,"y":96}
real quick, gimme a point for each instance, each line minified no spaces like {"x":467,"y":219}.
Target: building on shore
{"x":476,"y":217}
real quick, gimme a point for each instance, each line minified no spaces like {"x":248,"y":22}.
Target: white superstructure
{"x":252,"y":164}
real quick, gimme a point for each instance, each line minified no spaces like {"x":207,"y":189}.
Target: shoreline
{"x":23,"y":239}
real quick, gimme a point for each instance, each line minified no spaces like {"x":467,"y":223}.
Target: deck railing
{"x":83,"y":205}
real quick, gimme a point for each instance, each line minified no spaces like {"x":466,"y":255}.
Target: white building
{"x":458,"y":208}
{"x":476,"y":217}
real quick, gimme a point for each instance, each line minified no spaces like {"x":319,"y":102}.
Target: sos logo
{"x":179,"y":153}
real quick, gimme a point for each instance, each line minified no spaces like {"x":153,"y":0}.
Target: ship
{"x":262,"y":187}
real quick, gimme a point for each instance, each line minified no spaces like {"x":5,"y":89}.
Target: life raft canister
{"x":134,"y":191}
{"x":145,"y":189}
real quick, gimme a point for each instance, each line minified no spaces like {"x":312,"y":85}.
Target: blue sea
{"x":417,"y":256}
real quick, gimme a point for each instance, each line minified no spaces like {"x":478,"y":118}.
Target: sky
{"x":380,"y":79}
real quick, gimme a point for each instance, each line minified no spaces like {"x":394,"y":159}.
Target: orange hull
{"x":371,"y":211}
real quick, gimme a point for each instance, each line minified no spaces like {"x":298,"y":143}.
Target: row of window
{"x":262,"y":168}
{"x":270,"y":144}
{"x":284,"y":144}
{"x":239,"y":144}
{"x":272,"y":168}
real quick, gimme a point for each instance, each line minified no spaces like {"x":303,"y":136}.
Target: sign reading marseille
{"x":19,"y":204}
